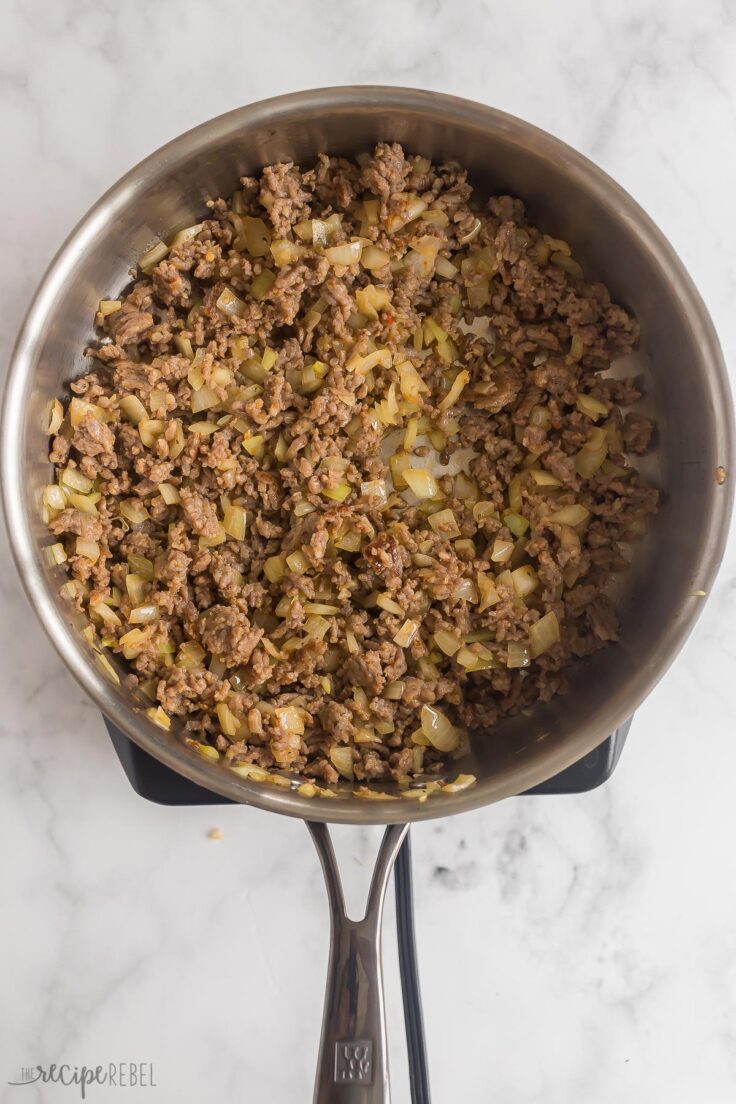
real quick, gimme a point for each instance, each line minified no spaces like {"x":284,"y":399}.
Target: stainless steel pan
{"x":687,"y":392}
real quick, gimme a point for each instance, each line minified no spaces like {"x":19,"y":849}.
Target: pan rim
{"x":26,"y":552}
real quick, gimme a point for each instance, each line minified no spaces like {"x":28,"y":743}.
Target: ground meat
{"x":200,"y":513}
{"x":283,"y":196}
{"x":92,"y":437}
{"x":128,"y":326}
{"x":385,"y":174}
{"x":294,"y":619}
{"x":171,"y":285}
{"x":637,"y":433}
{"x":87,"y":526}
{"x":366,"y":671}
{"x":225,"y":631}
{"x":384,"y":554}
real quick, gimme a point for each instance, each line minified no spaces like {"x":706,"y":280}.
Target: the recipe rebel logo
{"x":119,"y":1075}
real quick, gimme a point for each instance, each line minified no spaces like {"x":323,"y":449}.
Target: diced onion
{"x":407,"y":207}
{"x":433,"y":331}
{"x":134,"y":641}
{"x":203,"y":428}
{"x":445,"y":268}
{"x":255,"y":446}
{"x":363,"y":364}
{"x":152,"y":256}
{"x":471,"y":234}
{"x":347,"y":253}
{"x":444,"y":523}
{"x":233,"y":522}
{"x":435,"y":217}
{"x":274,"y":568}
{"x":483,"y":510}
{"x":169,"y":493}
{"x":257,"y":236}
{"x":207,"y":751}
{"x":544,"y":634}
{"x":501,"y":551}
{"x":285,"y":252}
{"x":149,"y":430}
{"x":462,"y":782}
{"x":456,"y":389}
{"x":386,"y":602}
{"x":136,"y":587}
{"x":487,"y":592}
{"x":372,"y":299}
{"x":290,"y":718}
{"x":250,"y":770}
{"x":262,"y":284}
{"x":56,"y":553}
{"x":316,"y":627}
{"x":55,"y":417}
{"x":447,"y":642}
{"x":540,"y":417}
{"x":106,"y":307}
{"x":184,"y":345}
{"x":89,"y":549}
{"x":421,"y":482}
{"x":423,"y":255}
{"x":85,"y":503}
{"x":161,"y":718}
{"x":133,"y":510}
{"x":372,"y":257}
{"x":570,"y":515}
{"x":143,"y":615}
{"x":229,"y":723}
{"x":592,"y":407}
{"x":186,"y":234}
{"x":79,"y":409}
{"x":375,"y":489}
{"x":476,"y":659}
{"x":190,"y":655}
{"x":211,"y":542}
{"x":203,"y":398}
{"x":54,"y":497}
{"x":516,"y":523}
{"x":544,"y":478}
{"x":517,"y":654}
{"x":406,"y":633}
{"x":370,"y":209}
{"x":73,"y":478}
{"x":394,"y":691}
{"x":338,"y":493}
{"x":567,"y":264}
{"x":588,"y":462}
{"x":410,"y":382}
{"x":438,"y":729}
{"x":229,"y":303}
{"x":525,"y":580}
{"x":298,"y":563}
{"x":466,"y":591}
{"x":342,"y":760}
{"x":141,"y":565}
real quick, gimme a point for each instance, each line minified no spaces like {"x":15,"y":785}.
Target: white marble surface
{"x":573,"y":949}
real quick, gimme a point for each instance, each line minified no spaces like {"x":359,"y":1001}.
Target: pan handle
{"x":352,"y":1067}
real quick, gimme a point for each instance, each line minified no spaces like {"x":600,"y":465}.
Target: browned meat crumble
{"x":347,"y":477}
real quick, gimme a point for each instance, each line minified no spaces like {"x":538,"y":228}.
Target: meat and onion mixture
{"x":348,"y":477}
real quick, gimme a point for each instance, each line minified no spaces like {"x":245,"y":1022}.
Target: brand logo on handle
{"x":354,"y":1062}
